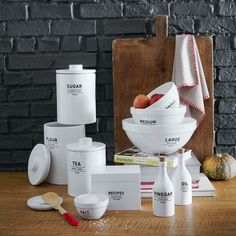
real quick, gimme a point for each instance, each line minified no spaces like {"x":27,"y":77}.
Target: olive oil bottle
{"x":182,"y":181}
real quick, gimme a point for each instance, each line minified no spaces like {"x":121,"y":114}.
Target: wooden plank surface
{"x":140,"y":65}
{"x":206,"y":216}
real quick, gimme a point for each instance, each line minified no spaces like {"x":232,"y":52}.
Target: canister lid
{"x":37,"y":203}
{"x":85,"y":144}
{"x":75,"y":69}
{"x":39,"y":164}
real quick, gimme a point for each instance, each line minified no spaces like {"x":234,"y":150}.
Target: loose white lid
{"x":37,"y":203}
{"x":75,"y":69}
{"x":85,"y":144}
{"x":39,"y":164}
{"x":127,"y":173}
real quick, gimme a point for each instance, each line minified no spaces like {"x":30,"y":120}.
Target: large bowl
{"x":161,"y":139}
{"x":158,"y":116}
{"x":170,"y":98}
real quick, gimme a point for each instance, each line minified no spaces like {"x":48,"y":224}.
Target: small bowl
{"x":91,"y":206}
{"x":158,"y":116}
{"x":160,"y":139}
{"x":170,"y":98}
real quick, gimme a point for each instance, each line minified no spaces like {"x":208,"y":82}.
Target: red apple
{"x":141,"y":101}
{"x":155,"y":97}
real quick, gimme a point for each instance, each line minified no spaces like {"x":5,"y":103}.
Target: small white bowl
{"x":170,"y":98}
{"x":158,"y":116}
{"x":161,"y":139}
{"x":91,"y":206}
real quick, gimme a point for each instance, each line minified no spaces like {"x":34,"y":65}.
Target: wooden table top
{"x":207,"y":215}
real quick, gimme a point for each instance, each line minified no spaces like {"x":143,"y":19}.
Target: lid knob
{"x":181,"y":151}
{"x":33,"y":165}
{"x":76,"y":67}
{"x":163,"y":159}
{"x":85,"y":141}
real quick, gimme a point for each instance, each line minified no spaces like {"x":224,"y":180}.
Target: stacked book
{"x":150,"y":167}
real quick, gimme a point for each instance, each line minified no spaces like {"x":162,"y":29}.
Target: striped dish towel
{"x":188,"y":75}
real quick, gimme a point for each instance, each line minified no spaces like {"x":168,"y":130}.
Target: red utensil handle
{"x":71,"y":219}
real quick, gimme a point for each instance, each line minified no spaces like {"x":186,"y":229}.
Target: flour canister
{"x":76,"y":100}
{"x":56,"y":137}
{"x":83,"y":158}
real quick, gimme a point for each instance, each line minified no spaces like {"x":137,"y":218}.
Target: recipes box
{"x":121,"y":184}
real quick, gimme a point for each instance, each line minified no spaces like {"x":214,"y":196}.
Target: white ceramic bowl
{"x":91,"y":206}
{"x":162,"y":139}
{"x":170,"y":98}
{"x":158,"y":116}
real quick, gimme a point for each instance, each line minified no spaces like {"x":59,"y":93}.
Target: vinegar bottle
{"x":182,"y":181}
{"x":163,"y":193}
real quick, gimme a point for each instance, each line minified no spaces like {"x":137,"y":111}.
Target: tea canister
{"x":56,"y":137}
{"x":76,"y":99}
{"x":83,"y":158}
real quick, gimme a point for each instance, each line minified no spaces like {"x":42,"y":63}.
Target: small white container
{"x":121,"y":184}
{"x":158,"y":116}
{"x":91,"y":206}
{"x":76,"y":100}
{"x":83,"y":157}
{"x":170,"y":98}
{"x":56,"y":137}
{"x":162,"y":139}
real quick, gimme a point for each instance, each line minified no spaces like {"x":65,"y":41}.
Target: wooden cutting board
{"x":140,"y":65}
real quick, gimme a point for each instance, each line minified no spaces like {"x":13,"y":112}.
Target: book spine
{"x":141,"y":161}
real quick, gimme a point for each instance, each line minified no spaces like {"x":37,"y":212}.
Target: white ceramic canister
{"x":82,"y":158}
{"x":56,"y":137}
{"x":76,"y":99}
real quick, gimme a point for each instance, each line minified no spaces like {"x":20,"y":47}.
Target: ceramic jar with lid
{"x":76,"y":100}
{"x":83,"y":158}
{"x":56,"y":137}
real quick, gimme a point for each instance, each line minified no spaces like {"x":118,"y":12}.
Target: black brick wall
{"x":37,"y":37}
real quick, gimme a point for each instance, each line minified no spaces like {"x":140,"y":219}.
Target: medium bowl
{"x":170,"y":98}
{"x":158,"y":116}
{"x":91,"y":206}
{"x":161,"y":139}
